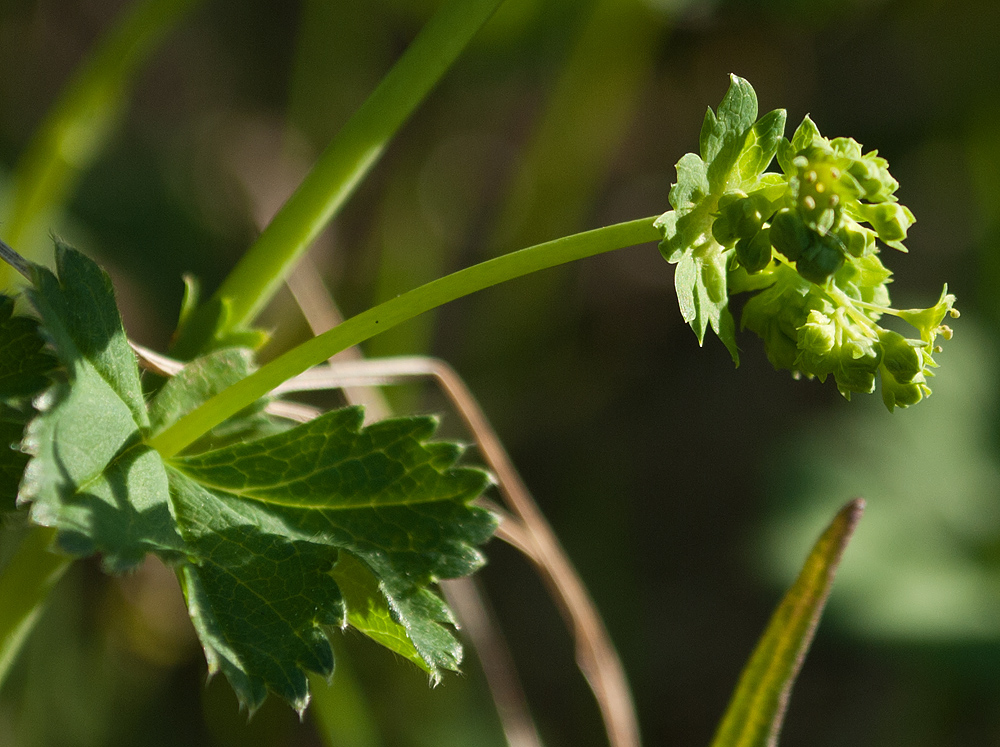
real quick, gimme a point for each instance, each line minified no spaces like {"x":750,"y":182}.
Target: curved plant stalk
{"x":25,"y":584}
{"x":334,"y":177}
{"x":80,"y":122}
{"x":359,"y":328}
{"x":321,"y":313}
{"x":757,"y":710}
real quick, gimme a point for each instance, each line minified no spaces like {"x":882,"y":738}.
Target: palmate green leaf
{"x":384,"y":494}
{"x":278,"y":534}
{"x":757,"y":709}
{"x":91,"y":476}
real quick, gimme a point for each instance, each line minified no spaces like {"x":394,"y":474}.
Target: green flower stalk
{"x":806,"y":242}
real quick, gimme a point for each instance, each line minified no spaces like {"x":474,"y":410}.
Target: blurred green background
{"x":685,"y":492}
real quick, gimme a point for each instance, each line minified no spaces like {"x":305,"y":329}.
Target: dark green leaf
{"x":12,"y":459}
{"x":24,"y":365}
{"x":278,"y":539}
{"x":393,"y":500}
{"x":756,"y":712}
{"x":24,"y":372}
{"x":259,"y":600}
{"x":368,"y":612}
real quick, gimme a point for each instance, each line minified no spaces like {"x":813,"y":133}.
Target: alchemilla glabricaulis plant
{"x":280,"y":533}
{"x":805,"y":241}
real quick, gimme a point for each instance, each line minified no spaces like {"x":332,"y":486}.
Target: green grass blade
{"x":79,"y":124}
{"x":756,"y":712}
{"x":387,"y":315}
{"x":334,"y":177}
{"x":24,"y":587}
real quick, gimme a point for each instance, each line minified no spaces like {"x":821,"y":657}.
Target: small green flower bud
{"x":722,"y":231}
{"x":740,"y":218}
{"x":859,"y":362}
{"x":724,"y":225}
{"x":898,"y":394}
{"x":754,"y":210}
{"x":788,"y":233}
{"x":820,"y":258}
{"x":865,"y":278}
{"x":818,"y":335}
{"x":901,"y":357}
{"x":872,"y":174}
{"x":889,"y":219}
{"x":846,"y":147}
{"x":855,"y":238}
{"x":755,"y":253}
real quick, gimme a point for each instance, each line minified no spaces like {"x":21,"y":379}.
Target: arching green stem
{"x":386,"y":315}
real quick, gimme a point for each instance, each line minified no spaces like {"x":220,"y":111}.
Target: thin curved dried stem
{"x":595,"y":653}
{"x":471,"y":606}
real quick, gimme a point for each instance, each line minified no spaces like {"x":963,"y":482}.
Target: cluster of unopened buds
{"x":806,"y":241}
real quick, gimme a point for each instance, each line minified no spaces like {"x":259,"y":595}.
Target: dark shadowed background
{"x":685,"y":491}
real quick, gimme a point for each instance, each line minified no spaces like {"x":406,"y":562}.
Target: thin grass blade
{"x":756,"y":712}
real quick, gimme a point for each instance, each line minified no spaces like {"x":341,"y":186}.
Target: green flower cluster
{"x":805,"y":240}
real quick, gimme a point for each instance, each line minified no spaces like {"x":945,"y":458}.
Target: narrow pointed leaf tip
{"x":757,"y":709}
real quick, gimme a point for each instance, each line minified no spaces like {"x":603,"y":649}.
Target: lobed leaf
{"x":258,"y":599}
{"x":757,"y":709}
{"x":278,"y":533}
{"x":384,"y":494}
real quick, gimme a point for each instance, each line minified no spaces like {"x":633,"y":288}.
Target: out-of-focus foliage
{"x":598,"y":389}
{"x":925,"y":566}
